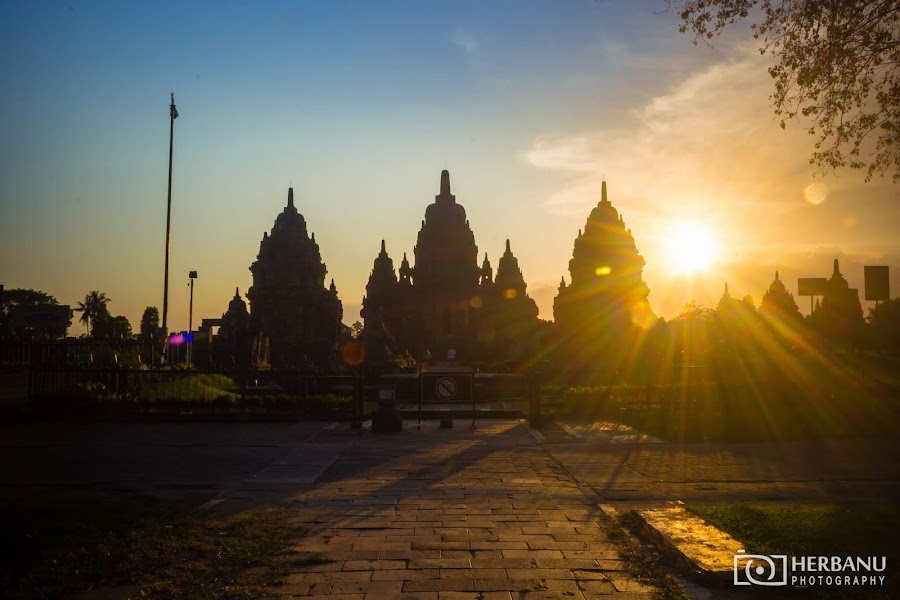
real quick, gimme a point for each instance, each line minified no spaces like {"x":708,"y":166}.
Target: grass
{"x":844,"y":529}
{"x":192,"y":387}
{"x":765,"y":409}
{"x":169,"y":552}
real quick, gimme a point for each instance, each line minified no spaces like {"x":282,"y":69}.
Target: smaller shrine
{"x":840,"y":314}
{"x":778,"y":304}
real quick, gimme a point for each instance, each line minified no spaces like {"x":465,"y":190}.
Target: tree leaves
{"x":838,"y":67}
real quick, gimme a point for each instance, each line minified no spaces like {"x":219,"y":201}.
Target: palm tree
{"x":94,"y":306}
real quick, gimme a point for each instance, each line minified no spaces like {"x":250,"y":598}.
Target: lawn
{"x":844,"y":529}
{"x":163,"y":550}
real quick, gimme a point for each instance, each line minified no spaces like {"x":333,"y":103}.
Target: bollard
{"x":387,"y":419}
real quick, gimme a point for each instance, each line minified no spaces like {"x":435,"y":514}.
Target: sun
{"x":690,"y":247}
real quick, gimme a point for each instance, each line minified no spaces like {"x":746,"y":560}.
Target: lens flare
{"x":815,"y":193}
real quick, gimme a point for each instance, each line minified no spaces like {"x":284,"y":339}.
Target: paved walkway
{"x":450,"y":515}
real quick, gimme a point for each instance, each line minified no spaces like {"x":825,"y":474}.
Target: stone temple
{"x":606,"y":300}
{"x":289,"y":303}
{"x":445,"y":300}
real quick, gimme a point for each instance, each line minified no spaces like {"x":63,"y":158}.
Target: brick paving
{"x":451,"y":515}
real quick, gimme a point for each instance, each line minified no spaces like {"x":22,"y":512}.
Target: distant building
{"x":778,"y":304}
{"x":445,"y":301}
{"x":840,"y":315}
{"x":289,"y":303}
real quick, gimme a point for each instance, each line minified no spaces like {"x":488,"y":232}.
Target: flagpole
{"x":172,"y":116}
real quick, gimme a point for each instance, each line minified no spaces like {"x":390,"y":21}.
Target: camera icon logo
{"x":759,"y":569}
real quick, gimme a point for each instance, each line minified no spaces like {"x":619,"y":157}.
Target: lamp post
{"x":173,"y":114}
{"x":190,"y":341}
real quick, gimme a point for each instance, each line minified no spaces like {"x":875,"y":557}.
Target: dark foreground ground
{"x":500,"y":512}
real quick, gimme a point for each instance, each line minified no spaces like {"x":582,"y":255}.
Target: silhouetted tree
{"x":149,"y":324}
{"x":14,"y":322}
{"x":23,"y":297}
{"x":121,"y":328}
{"x":838,"y":64}
{"x":356,"y":330}
{"x":693,"y":333}
{"x":93,"y":307}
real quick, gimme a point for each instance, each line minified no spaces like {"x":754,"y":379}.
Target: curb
{"x":679,"y":551}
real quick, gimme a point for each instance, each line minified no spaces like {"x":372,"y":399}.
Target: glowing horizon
{"x":528,"y":109}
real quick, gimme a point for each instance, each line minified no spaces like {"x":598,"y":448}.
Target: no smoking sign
{"x":446,"y":388}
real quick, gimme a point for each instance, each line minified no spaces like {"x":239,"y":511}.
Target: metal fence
{"x":69,"y":390}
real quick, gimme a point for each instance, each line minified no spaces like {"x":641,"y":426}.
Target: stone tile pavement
{"x":451,"y":514}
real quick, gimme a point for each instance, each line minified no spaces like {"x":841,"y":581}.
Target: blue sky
{"x":360,"y":105}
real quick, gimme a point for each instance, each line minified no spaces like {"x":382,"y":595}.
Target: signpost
{"x":450,"y":387}
{"x":878,"y":284}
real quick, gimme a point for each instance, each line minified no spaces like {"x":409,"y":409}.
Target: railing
{"x":73,"y":391}
{"x":195,"y":392}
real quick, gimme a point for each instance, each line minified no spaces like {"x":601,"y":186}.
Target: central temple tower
{"x":446,"y":273}
{"x":446,"y":300}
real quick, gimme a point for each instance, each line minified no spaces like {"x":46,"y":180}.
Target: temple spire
{"x":383,"y":250}
{"x":726,"y":294}
{"x":776,"y":275}
{"x":291,"y":197}
{"x":603,"y":199}
{"x":837,"y":271}
{"x":508,"y":251}
{"x":445,"y":194}
{"x":236,"y":293}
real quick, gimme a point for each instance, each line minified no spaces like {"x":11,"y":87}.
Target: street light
{"x":192,"y":275}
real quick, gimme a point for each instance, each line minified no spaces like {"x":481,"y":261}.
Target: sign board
{"x":811,"y":286}
{"x":878,"y":285}
{"x":447,"y":387}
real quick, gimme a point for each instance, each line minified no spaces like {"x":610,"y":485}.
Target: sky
{"x":360,"y":105}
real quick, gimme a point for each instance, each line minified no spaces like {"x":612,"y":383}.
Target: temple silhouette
{"x":605,"y":303}
{"x":445,"y":300}
{"x":291,"y":310}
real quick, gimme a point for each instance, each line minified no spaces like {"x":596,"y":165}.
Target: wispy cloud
{"x":713,"y":131}
{"x":708,"y":149}
{"x":465,"y":41}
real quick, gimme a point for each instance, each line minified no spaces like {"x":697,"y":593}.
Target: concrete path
{"x":449,"y":515}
